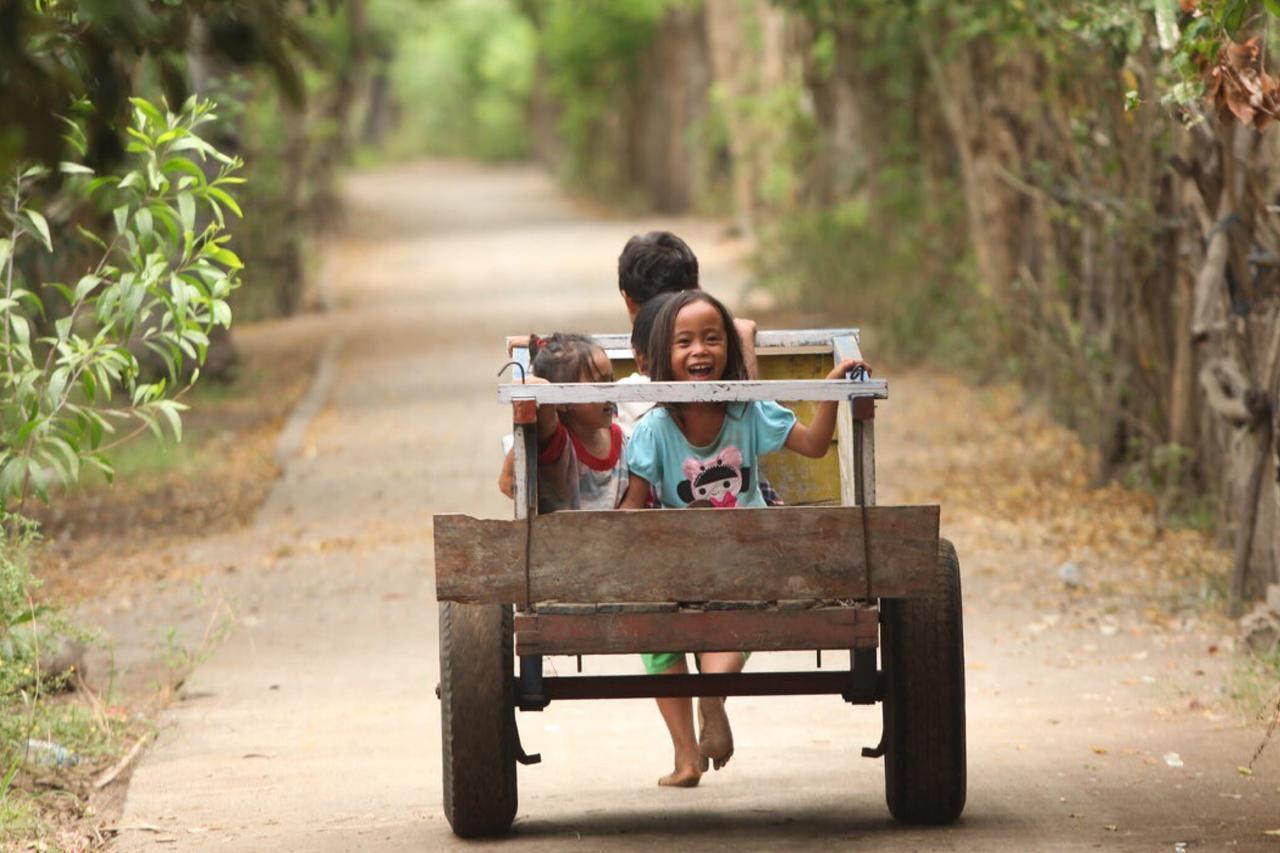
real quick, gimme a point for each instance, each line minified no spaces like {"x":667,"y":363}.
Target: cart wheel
{"x":477,"y":718}
{"x":923,"y":651}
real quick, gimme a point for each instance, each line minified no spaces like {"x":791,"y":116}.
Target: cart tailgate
{"x":688,"y":555}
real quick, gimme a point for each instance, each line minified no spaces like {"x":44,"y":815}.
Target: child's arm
{"x":548,"y":423}
{"x":637,"y":496}
{"x":814,"y":440}
{"x":747,"y":332}
{"x":507,"y":479}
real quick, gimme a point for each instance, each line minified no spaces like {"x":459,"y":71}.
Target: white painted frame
{"x":856,"y":437}
{"x":694,"y":392}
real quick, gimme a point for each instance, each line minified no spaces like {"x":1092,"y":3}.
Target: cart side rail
{"x":653,"y":555}
{"x":729,"y":391}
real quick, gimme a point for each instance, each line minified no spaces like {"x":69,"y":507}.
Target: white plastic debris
{"x":1173,"y":759}
{"x":1071,"y":575}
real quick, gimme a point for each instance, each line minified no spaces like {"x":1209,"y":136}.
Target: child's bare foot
{"x":715,"y":738}
{"x":689,"y":770}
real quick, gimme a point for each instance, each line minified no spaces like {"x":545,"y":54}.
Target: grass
{"x":45,"y":802}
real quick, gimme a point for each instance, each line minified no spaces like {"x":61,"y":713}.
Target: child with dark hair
{"x":654,"y":263}
{"x":706,"y":454}
{"x":580,"y":461}
{"x":660,"y":262}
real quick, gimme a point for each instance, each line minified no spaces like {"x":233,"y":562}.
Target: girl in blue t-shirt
{"x":707,"y":455}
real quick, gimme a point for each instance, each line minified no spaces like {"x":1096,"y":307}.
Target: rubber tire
{"x":924,"y":725}
{"x":477,"y":718}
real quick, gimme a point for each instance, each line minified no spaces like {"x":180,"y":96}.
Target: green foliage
{"x":462,"y":71}
{"x":55,"y":51}
{"x":593,"y":54}
{"x":159,"y":284}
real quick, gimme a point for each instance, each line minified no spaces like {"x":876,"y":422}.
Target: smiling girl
{"x":580,"y":464}
{"x":706,"y":455}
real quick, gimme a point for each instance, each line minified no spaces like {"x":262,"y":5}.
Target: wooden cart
{"x":829,"y":571}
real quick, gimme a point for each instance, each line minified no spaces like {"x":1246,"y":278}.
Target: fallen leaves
{"x":1239,"y":86}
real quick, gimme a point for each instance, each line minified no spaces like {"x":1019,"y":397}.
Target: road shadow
{"x":755,"y":828}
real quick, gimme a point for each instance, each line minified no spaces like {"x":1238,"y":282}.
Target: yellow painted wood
{"x":797,"y":479}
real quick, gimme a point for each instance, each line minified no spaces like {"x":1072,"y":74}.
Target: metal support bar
{"x":531,"y":690}
{"x":862,"y":678}
{"x":715,"y":684}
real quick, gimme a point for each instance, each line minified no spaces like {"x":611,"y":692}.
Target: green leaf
{"x":143,"y":220}
{"x":29,"y":427}
{"x":149,"y":110}
{"x":185,"y":164}
{"x":226,"y":257}
{"x":91,"y":237}
{"x":69,"y":455}
{"x":97,"y":460}
{"x":187,"y":211}
{"x":1232,"y":15}
{"x":133,"y":179}
{"x":34,"y":303}
{"x":85,"y":286}
{"x":121,"y":215}
{"x":6,"y":249}
{"x":20,"y":328}
{"x":42,"y":227}
{"x":225,"y":198}
{"x":69,"y":168}
{"x":169,"y":409}
{"x":221,"y":313}
{"x":1272,"y":6}
{"x":154,"y":179}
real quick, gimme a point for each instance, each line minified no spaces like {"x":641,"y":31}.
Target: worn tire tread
{"x":477,"y":718}
{"x":924,"y":713}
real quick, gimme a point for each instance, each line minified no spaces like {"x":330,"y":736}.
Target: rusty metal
{"x":697,"y":631}
{"x":715,"y":684}
{"x":524,"y":412}
{"x":864,"y":409}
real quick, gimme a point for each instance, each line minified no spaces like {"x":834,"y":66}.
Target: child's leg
{"x":677,"y":713}
{"x":715,"y":739}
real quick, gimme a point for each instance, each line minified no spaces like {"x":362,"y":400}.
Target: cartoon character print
{"x":715,"y":482}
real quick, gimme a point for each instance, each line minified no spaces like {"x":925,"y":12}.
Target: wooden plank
{"x":799,"y":479}
{"x":846,"y":347}
{"x":555,"y":394}
{"x":637,"y":607}
{"x":688,"y":555}
{"x":563,"y":608}
{"x":479,"y":562}
{"x":696,"y":631}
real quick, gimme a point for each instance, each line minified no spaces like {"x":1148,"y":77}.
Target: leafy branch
{"x":159,"y":285}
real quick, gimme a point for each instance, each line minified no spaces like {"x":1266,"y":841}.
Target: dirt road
{"x":313,"y":726}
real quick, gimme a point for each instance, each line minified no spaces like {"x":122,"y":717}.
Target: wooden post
{"x":526,"y":465}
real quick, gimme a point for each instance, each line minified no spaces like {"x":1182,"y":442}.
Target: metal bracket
{"x":863,"y":675}
{"x":523,"y":757}
{"x":530,"y":694}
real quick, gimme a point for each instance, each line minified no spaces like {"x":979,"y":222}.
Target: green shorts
{"x":657,"y":663}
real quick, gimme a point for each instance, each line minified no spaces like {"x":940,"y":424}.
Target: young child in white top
{"x":580,"y":446}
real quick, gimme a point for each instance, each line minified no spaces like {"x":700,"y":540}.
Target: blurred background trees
{"x":1076,"y":194}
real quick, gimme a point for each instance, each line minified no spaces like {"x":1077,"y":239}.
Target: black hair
{"x":563,"y":357}
{"x":657,"y":262}
{"x":642,"y":326}
{"x":660,"y":340}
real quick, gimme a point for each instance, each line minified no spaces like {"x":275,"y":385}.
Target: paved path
{"x":313,"y":726}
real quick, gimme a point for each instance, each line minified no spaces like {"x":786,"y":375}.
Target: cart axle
{"x":869,"y":691}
